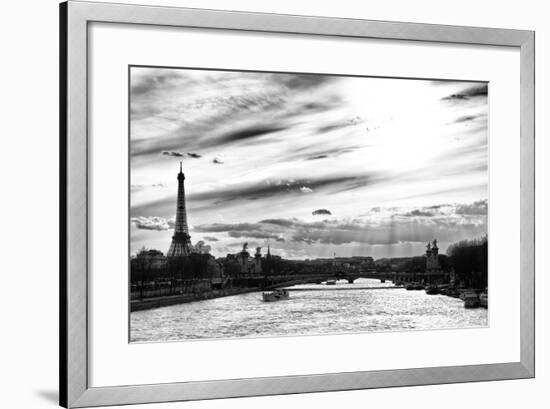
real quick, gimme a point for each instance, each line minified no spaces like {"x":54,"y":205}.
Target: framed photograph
{"x":260,"y":204}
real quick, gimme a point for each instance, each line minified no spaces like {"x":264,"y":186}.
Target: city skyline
{"x":315,"y":165}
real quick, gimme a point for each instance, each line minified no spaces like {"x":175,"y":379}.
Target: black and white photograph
{"x":276,"y":204}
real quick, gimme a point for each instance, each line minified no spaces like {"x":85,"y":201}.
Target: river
{"x":306,"y":313}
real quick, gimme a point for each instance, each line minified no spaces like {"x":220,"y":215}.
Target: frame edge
{"x":63,"y":368}
{"x":527,"y":209}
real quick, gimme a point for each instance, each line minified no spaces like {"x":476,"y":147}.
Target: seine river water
{"x":306,"y":313}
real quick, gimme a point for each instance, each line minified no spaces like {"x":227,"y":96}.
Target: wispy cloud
{"x":477,"y":208}
{"x":269,"y":149}
{"x":270,"y":188}
{"x":172,"y":153}
{"x":467,"y":93}
{"x":445,"y":222}
{"x":152,"y":223}
{"x":211,"y":238}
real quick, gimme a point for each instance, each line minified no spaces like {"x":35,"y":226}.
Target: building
{"x":432,"y":256}
{"x":147,"y":265}
{"x":181,"y":241}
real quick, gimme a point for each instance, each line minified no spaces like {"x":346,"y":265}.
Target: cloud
{"x":465,"y":118}
{"x":388,"y":232}
{"x":305,"y":189}
{"x":269,"y":188}
{"x":303,"y":81}
{"x":225,"y":227}
{"x":321,"y":212}
{"x":476,"y":91}
{"x":152,"y":223}
{"x":172,"y":153}
{"x":210,"y":238}
{"x":248,"y":133}
{"x":438,"y":206}
{"x":254,"y":235}
{"x":155,"y":80}
{"x":333,"y":127}
{"x":317,"y":157}
{"x":322,"y":154}
{"x":338,"y":232}
{"x":136,"y":187}
{"x":243,"y":230}
{"x":194,"y":155}
{"x":477,"y":208}
{"x":471,"y":92}
{"x":279,"y":222}
{"x":447,"y":223}
{"x":186,"y":109}
{"x":419,"y":213}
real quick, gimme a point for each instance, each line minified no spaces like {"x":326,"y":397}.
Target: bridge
{"x":273,"y":281}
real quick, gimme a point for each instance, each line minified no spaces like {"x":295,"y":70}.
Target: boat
{"x":453,"y":292}
{"x":467,"y":293}
{"x":484,"y":299}
{"x":432,"y":289}
{"x":471,"y":300}
{"x":276,"y":295}
{"x":331,"y":282}
{"x":419,"y":286}
{"x":410,"y":287}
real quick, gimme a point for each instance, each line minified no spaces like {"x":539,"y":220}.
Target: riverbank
{"x":165,"y":301}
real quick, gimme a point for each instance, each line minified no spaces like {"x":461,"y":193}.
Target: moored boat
{"x":331,"y":282}
{"x":471,"y":300}
{"x":484,"y":299}
{"x":432,"y":289}
{"x":453,"y":292}
{"x":276,"y":295}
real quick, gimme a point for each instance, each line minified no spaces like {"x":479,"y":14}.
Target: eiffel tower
{"x":181,"y":241}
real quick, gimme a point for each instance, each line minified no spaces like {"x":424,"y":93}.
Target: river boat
{"x":409,"y":287}
{"x":432,"y":289}
{"x":471,"y":300}
{"x":331,"y":282}
{"x":453,"y":292}
{"x":484,"y":299}
{"x":467,"y":293}
{"x":276,"y":295}
{"x":419,"y":286}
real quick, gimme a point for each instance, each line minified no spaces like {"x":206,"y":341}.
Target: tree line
{"x":469,"y":258}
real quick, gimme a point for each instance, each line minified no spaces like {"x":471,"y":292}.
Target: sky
{"x":313,"y":165}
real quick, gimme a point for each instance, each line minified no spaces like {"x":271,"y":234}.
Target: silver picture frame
{"x":75,"y":16}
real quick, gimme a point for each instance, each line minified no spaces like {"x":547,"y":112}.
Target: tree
{"x":469,"y":260}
